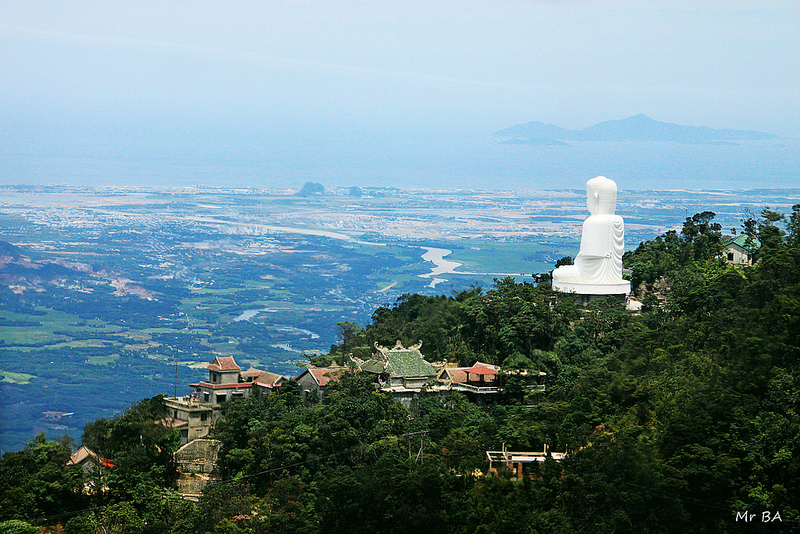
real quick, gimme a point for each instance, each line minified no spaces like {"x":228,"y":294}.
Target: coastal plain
{"x":113,"y":294}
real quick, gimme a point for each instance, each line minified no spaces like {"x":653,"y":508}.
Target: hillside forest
{"x":682,"y":417}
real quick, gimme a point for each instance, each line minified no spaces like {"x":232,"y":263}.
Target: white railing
{"x":477,"y":389}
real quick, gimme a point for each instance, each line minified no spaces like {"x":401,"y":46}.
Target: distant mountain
{"x":637,"y":128}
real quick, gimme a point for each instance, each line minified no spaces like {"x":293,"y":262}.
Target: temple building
{"x":401,"y":371}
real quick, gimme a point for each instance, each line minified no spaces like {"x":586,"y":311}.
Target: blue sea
{"x":404,"y":160}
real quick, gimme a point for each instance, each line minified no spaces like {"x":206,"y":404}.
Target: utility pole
{"x":176,"y":371}
{"x":177,"y":350}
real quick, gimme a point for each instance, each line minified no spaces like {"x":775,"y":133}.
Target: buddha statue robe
{"x":597,"y":269}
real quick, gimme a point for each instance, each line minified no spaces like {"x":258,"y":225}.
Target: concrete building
{"x":190,"y":416}
{"x":224,"y":382}
{"x":194,"y":415}
{"x":739,"y":250}
{"x":314,"y":381}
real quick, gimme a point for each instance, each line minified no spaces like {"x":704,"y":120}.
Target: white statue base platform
{"x":583,"y":288}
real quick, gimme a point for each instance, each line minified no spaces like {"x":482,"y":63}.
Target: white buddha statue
{"x":597,"y":269}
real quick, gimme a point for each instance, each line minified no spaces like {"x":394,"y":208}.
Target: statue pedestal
{"x":585,"y":288}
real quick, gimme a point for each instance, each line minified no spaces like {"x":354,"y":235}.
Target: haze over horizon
{"x":403,"y":94}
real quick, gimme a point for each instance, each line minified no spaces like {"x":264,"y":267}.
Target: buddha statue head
{"x":601,"y":196}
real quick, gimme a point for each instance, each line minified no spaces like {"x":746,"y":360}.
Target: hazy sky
{"x":172,"y":81}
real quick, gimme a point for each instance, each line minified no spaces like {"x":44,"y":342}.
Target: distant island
{"x":636,"y":128}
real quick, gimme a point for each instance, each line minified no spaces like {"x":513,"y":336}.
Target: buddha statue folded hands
{"x":597,"y":269}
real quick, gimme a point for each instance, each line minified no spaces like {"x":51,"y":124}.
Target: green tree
{"x":769,"y":234}
{"x":15,"y":526}
{"x":120,"y":518}
{"x":82,"y":524}
{"x":703,"y":238}
{"x":37,"y":482}
{"x":793,"y":226}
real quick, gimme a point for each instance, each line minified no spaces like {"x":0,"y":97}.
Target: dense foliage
{"x":675,"y":419}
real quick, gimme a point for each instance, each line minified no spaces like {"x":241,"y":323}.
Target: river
{"x":442,"y":266}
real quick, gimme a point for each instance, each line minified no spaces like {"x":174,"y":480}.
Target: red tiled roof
{"x":481,"y":370}
{"x":80,"y":455}
{"x":324,"y":376}
{"x":459,"y":375}
{"x":84,"y":453}
{"x":223,"y":363}
{"x":267,"y":379}
{"x":456,"y":374}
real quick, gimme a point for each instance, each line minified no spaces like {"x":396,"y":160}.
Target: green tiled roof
{"x":373,"y":366}
{"x":741,"y":240}
{"x":408,"y":363}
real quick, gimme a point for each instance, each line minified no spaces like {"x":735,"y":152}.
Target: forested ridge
{"x":677,"y":418}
